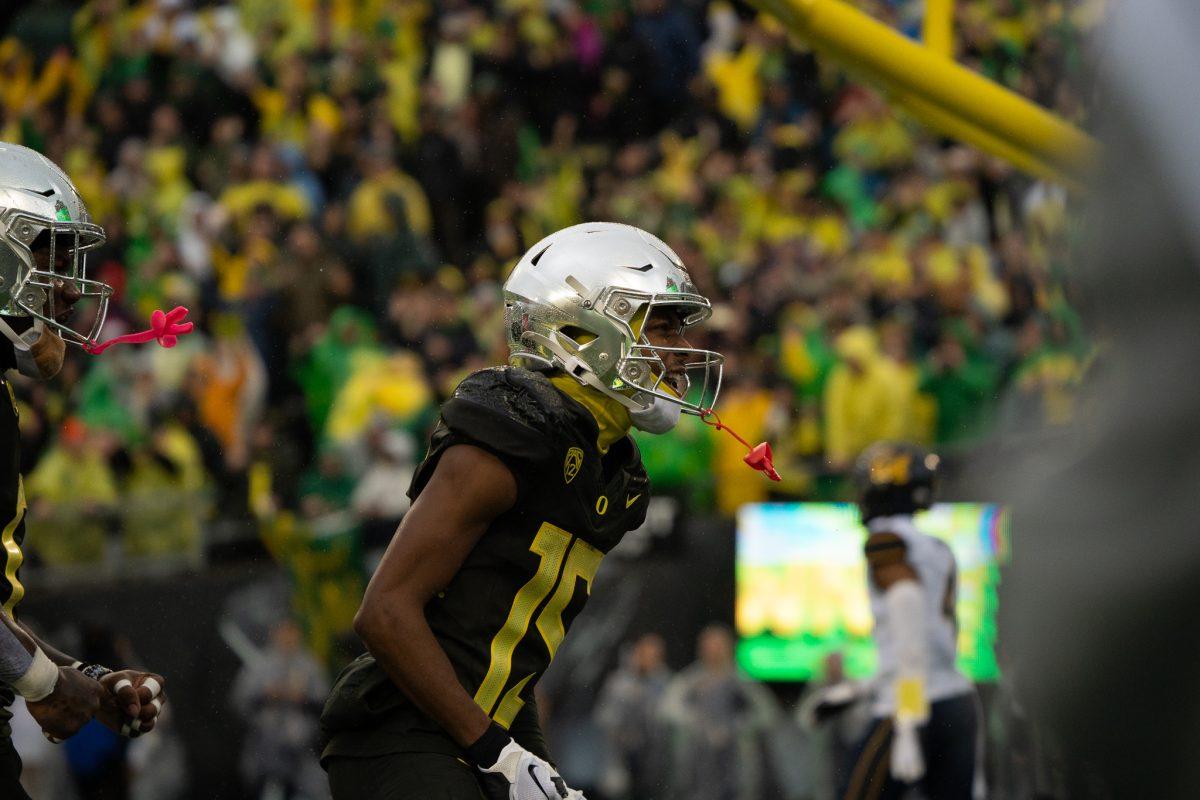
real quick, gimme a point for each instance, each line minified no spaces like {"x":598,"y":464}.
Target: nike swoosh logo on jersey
{"x":538,"y":783}
{"x":632,"y":500}
{"x":645,"y":268}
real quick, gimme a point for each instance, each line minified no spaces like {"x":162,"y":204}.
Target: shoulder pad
{"x":509,"y":410}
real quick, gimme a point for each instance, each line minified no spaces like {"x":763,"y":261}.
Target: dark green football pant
{"x":402,"y":776}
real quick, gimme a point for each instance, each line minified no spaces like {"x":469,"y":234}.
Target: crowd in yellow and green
{"x":337,"y":190}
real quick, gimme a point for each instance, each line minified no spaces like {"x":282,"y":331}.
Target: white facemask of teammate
{"x":660,"y":417}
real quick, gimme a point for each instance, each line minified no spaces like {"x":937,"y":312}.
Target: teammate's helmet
{"x":42,"y":213}
{"x":895,"y":478}
{"x":577,"y":301}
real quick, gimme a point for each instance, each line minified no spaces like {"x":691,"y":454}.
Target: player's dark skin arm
{"x":55,"y":655}
{"x":468,"y":489}
{"x":114,"y":705}
{"x":887,"y":561}
{"x":75,"y":699}
{"x":888,"y":576}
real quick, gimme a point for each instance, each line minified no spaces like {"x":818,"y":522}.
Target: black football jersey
{"x":505,"y":613}
{"x":12,"y":511}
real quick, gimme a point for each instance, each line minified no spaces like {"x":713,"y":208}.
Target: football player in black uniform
{"x":44,"y":235}
{"x":530,"y":480}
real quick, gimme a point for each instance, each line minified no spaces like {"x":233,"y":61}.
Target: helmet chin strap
{"x":19,"y":341}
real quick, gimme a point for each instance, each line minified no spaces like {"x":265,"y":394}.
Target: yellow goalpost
{"x":942,"y":94}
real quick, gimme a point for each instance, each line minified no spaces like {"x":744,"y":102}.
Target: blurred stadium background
{"x":336,"y":189}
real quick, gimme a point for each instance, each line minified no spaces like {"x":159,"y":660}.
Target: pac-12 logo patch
{"x":572,"y":464}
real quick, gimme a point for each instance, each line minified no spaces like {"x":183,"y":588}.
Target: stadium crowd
{"x":336,"y":190}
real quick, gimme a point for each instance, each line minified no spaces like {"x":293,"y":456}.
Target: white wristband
{"x":39,"y":680}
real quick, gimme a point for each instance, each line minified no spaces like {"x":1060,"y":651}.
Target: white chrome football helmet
{"x":578,"y":301}
{"x":40,"y":207}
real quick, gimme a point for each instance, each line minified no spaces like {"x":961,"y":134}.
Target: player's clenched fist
{"x":131,"y":702}
{"x":74,"y":700}
{"x":510,"y":772}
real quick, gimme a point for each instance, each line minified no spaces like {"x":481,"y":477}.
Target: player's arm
{"x":894,"y":575}
{"x":60,"y":699}
{"x":468,"y":489}
{"x":129,"y":700}
{"x":57,"y":656}
{"x":17,"y":667}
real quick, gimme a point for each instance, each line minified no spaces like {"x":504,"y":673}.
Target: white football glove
{"x":908,"y":763}
{"x":520,"y":775}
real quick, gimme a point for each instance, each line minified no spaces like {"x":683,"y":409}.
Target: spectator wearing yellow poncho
{"x":72,"y":472}
{"x":71,"y":491}
{"x":862,"y":402}
{"x":370,"y":213}
{"x":266,"y":187}
{"x":390,"y":387}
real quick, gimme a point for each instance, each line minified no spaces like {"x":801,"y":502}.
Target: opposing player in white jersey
{"x":924,"y":709}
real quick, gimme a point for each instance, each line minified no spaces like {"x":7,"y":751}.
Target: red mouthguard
{"x":165,"y":328}
{"x":759,"y":458}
